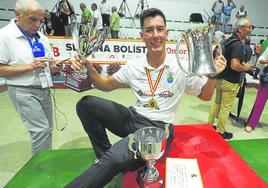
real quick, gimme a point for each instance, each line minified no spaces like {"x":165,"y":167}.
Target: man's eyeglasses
{"x":33,"y":19}
{"x":250,"y":27}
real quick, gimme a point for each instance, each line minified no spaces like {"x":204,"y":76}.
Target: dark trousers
{"x":97,"y":115}
{"x":105,"y":20}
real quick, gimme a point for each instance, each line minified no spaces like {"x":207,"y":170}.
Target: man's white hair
{"x":239,"y":23}
{"x":24,"y":5}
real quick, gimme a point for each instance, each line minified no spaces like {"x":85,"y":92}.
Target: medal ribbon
{"x":154,"y":87}
{"x":30,"y":41}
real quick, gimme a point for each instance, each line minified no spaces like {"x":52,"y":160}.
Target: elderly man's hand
{"x":220,"y":64}
{"x":80,"y":62}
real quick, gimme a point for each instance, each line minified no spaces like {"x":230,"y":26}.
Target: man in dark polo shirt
{"x":227,"y":82}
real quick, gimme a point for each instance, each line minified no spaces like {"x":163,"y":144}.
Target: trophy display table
{"x":220,"y":166}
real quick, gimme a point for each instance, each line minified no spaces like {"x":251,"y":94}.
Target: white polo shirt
{"x":16,"y":50}
{"x":172,"y":85}
{"x":105,"y":8}
{"x":97,"y":15}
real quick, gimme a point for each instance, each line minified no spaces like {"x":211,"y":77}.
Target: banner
{"x":111,"y":51}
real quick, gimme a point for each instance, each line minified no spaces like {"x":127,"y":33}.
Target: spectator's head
{"x":152,"y":12}
{"x":243,"y":27}
{"x":94,"y":6}
{"x":114,"y":9}
{"x":47,"y":15}
{"x":82,"y":6}
{"x":153,"y":31}
{"x":242,"y":7}
{"x":29,"y":14}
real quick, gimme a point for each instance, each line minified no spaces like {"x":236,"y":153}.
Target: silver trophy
{"x":86,"y":40}
{"x":150,"y":144}
{"x":199,"y":46}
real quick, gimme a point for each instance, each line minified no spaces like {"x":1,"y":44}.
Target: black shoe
{"x":226,"y":135}
{"x":215,"y":127}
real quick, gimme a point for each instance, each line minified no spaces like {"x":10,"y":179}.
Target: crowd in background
{"x":221,"y":17}
{"x":59,"y":23}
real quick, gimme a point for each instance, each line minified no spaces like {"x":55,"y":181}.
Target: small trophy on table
{"x":150,"y":144}
{"x":86,"y":40}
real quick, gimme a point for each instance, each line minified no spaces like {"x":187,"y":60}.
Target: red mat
{"x":220,"y":166}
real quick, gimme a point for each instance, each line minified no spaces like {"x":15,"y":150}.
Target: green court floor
{"x":15,"y":141}
{"x":255,"y":153}
{"x":57,"y":168}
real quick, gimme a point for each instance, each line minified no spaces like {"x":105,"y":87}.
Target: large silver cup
{"x":199,"y":46}
{"x":151,"y":144}
{"x":86,"y":40}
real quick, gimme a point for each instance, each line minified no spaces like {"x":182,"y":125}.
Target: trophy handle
{"x":178,"y":54}
{"x":219,"y":43}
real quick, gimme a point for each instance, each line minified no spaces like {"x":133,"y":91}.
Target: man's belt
{"x":29,"y":86}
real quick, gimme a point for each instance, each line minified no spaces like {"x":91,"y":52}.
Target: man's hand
{"x":219,"y":64}
{"x":39,"y":63}
{"x":80,"y":62}
{"x":247,"y":66}
{"x":56,"y":66}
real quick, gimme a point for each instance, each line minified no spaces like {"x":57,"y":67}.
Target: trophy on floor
{"x":150,"y":144}
{"x":199,"y":46}
{"x":86,"y":40}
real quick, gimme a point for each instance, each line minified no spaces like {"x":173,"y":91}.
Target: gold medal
{"x":152,"y":103}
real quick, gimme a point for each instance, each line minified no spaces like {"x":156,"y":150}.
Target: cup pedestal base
{"x":78,"y":84}
{"x":157,"y":184}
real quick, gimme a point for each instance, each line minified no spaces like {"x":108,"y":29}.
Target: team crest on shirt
{"x":170,"y":77}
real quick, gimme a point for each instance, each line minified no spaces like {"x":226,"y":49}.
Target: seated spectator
{"x":54,"y":25}
{"x":241,"y":13}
